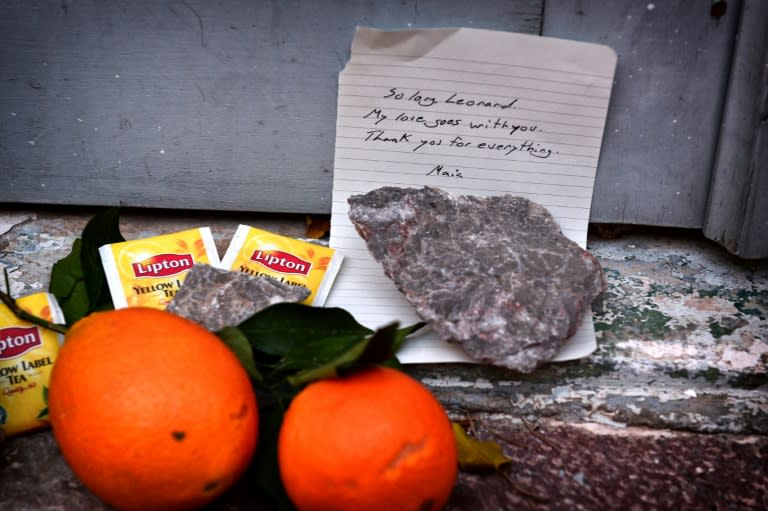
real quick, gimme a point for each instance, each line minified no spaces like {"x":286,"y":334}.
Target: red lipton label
{"x":163,"y":265}
{"x":17,"y":340}
{"x":282,"y":262}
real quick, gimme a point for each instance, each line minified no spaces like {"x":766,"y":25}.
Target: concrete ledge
{"x":671,"y":411}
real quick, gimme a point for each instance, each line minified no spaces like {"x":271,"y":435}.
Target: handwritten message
{"x":456,"y":109}
{"x":498,"y":125}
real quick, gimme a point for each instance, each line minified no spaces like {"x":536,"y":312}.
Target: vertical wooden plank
{"x":737,"y":216}
{"x":190,"y":104}
{"x":666,"y":105}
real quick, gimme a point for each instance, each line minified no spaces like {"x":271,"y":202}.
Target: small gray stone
{"x":217,"y":298}
{"x":493,"y":274}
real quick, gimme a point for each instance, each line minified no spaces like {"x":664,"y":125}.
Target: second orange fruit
{"x":375,"y":440}
{"x":150,"y":410}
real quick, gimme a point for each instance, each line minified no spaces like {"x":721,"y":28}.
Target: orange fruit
{"x":150,"y":410}
{"x":373,"y":440}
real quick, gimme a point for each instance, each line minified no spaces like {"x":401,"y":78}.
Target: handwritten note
{"x":473,"y":112}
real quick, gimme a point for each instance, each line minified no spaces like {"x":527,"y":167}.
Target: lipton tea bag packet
{"x":287,"y":260}
{"x":27,"y":354}
{"x":147,"y":272}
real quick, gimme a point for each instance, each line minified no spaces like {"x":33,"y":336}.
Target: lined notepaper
{"x":472,"y":112}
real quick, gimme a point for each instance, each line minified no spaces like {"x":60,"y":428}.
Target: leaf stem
{"x":26,"y":316}
{"x":521,"y":490}
{"x":539,"y":436}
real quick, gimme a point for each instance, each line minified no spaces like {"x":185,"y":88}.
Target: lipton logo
{"x":282,"y":262}
{"x":17,"y":340}
{"x":163,"y":265}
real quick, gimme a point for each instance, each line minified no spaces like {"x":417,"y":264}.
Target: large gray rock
{"x":217,"y":298}
{"x":493,"y":274}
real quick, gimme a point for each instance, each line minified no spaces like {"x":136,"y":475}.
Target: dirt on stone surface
{"x":35,"y":477}
{"x":555,"y":466}
{"x":572,"y":468}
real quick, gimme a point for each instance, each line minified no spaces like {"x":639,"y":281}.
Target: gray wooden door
{"x":231,"y":105}
{"x":224,"y":105}
{"x":685,"y":141}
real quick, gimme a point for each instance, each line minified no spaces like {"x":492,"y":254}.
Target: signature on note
{"x":441,"y":171}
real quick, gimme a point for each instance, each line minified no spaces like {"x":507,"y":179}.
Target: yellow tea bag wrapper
{"x":27,"y":354}
{"x":287,"y":260}
{"x":148,"y":272}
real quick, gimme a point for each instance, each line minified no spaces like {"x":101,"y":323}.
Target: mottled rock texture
{"x":217,"y":298}
{"x":494,"y":274}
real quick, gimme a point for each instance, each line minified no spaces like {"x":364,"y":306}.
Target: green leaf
{"x":403,"y":333}
{"x":400,"y":338}
{"x":315,"y":343}
{"x":342,"y":354}
{"x":330,"y":368}
{"x":478,"y":455}
{"x":264,"y":471}
{"x":380,"y":347}
{"x":68,"y":285}
{"x":317,"y":353}
{"x":238,"y":343}
{"x":384,"y":344}
{"x":279,"y":328}
{"x":67,"y":272}
{"x":102,"y":229}
{"x":78,"y":281}
{"x":44,"y":412}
